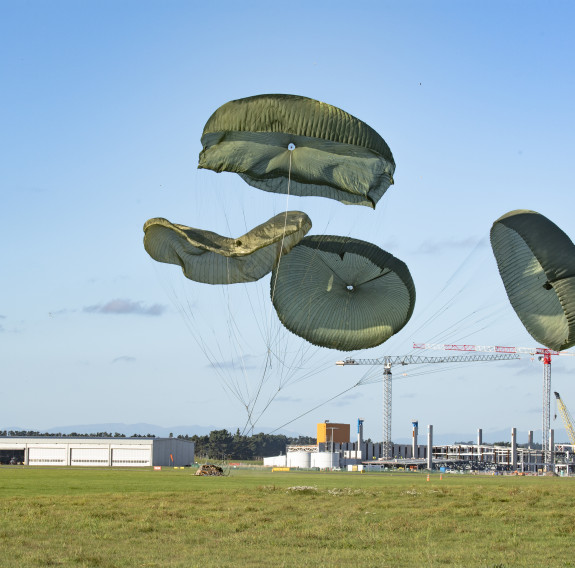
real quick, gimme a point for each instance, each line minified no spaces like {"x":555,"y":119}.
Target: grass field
{"x":120,"y":518}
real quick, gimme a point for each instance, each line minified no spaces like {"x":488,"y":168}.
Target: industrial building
{"x":344,"y":454}
{"x":99,"y":452}
{"x":329,"y":432}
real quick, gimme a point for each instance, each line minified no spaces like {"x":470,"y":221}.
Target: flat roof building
{"x":330,"y":432}
{"x":102,"y":452}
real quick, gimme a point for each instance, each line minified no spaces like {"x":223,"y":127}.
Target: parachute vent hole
{"x":291,"y":146}
{"x":350,"y":287}
{"x":238,"y":243}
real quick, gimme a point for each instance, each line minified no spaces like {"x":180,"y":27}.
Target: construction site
{"x":336,"y":450}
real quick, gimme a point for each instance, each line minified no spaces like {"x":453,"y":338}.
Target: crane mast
{"x":388,"y":361}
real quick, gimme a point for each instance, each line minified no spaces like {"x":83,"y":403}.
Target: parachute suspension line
{"x":426,"y":369}
{"x":460,"y":279}
{"x":255,"y":398}
{"x":182,"y":304}
{"x":276,"y":363}
{"x":445,"y":306}
{"x":365,"y":381}
{"x":265,"y":372}
{"x":266,"y":406}
{"x":215,"y":356}
{"x":291,"y":148}
{"x":268,"y":361}
{"x":278,"y":346}
{"x":314,"y":408}
{"x":452,"y":328}
{"x":247,"y":396}
{"x":231,"y":382}
{"x":290,"y":375}
{"x":234,"y":338}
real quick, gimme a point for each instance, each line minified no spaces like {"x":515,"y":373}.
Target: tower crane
{"x":567,"y":419}
{"x":389,"y":361}
{"x":544,"y":355}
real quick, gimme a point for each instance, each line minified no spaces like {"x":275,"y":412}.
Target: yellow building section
{"x":328,"y":432}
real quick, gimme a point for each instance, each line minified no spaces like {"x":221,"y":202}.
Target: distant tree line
{"x":221,"y":443}
{"x":34,"y":433}
{"x":215,"y":445}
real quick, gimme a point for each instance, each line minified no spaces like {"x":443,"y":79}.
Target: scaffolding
{"x":486,"y":456}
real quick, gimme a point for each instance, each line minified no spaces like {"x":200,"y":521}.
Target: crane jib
{"x":490,"y":349}
{"x":392,"y":360}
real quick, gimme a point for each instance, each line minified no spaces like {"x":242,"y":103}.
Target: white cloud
{"x":120,"y":306}
{"x":124,"y":359}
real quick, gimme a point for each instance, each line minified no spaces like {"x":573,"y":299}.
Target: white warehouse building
{"x":99,"y":452}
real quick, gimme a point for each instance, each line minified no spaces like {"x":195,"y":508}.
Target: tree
{"x":219,"y":443}
{"x":240,"y":447}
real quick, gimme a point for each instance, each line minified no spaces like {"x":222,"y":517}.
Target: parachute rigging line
{"x":462,"y":325}
{"x":214,"y":357}
{"x":314,"y":408}
{"x":291,"y":148}
{"x":468,"y":325}
{"x":451,"y":280}
{"x":424,"y":369}
{"x":368,"y":380}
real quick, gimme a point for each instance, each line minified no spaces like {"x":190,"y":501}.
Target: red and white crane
{"x":544,"y":355}
{"x":388,"y":361}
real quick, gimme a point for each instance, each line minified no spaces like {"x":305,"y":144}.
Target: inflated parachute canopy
{"x":333,"y":154}
{"x":342,"y":293}
{"x":536,"y":260}
{"x":212,"y":259}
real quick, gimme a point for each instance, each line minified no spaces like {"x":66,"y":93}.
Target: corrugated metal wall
{"x":173,"y":452}
{"x":102,"y":452}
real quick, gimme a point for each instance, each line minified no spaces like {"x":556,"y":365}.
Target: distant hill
{"x":143,"y":428}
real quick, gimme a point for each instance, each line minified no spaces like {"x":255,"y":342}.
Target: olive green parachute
{"x":536,"y":260}
{"x":323,"y":150}
{"x":212,"y":259}
{"x":342,"y":293}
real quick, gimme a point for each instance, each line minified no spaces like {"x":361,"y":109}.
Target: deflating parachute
{"x":536,"y":260}
{"x":342,"y":293}
{"x":321,"y":149}
{"x":332,"y":291}
{"x":210,"y":258}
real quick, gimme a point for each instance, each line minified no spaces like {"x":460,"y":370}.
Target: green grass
{"x":120,"y":518}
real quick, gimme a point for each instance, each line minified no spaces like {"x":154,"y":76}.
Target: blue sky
{"x":102,"y":109}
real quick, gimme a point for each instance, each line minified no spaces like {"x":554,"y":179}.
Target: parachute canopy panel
{"x":212,"y":259}
{"x":323,"y":150}
{"x":342,"y":293}
{"x":536,"y":260}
